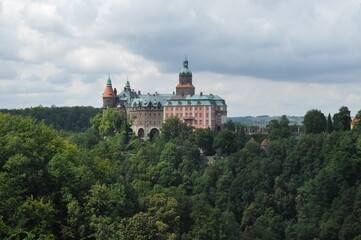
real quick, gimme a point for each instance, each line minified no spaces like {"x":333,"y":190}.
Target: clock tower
{"x":185,"y":86}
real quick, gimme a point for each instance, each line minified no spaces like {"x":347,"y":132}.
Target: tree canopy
{"x":314,"y":121}
{"x":85,"y":186}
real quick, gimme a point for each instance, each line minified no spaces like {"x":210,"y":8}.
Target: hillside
{"x":74,"y":119}
{"x":263,"y":120}
{"x":97,"y":185}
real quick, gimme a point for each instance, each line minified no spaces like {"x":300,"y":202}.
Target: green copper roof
{"x":127,"y":85}
{"x":185,"y":68}
{"x":109,"y":82}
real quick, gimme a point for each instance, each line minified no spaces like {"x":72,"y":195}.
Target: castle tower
{"x":127,"y":86}
{"x":109,"y":96}
{"x":185,"y":86}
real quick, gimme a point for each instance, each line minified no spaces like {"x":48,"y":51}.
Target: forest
{"x":104,"y":183}
{"x":75,"y":119}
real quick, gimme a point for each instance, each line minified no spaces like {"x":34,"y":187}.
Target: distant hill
{"x":74,"y":119}
{"x":263,"y":120}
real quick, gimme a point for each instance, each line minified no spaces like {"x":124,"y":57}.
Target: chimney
{"x":115,"y":91}
{"x":201,"y":93}
{"x":173,"y":93}
{"x":139,"y":93}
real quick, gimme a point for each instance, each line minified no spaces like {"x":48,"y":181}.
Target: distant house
{"x":265,"y":143}
{"x":354,"y":122}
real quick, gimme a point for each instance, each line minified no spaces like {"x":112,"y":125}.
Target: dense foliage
{"x":93,"y":187}
{"x":74,"y":119}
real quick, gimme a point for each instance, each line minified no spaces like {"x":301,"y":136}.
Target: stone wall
{"x":146,"y":118}
{"x":109,"y":102}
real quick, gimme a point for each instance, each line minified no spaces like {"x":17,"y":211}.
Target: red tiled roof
{"x":185,"y":85}
{"x":355,"y":120}
{"x":265,"y":142}
{"x":108,"y":92}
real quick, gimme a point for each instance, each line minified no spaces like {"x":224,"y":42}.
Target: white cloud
{"x":263,"y":57}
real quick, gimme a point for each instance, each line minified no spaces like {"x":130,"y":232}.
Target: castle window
{"x":196,"y":121}
{"x":196,"y":114}
{"x":186,"y":108}
{"x":200,"y":121}
{"x":200,"y":114}
{"x":207,"y":122}
{"x":200,"y":108}
{"x":196,"y":108}
{"x":159,"y":114}
{"x":177,"y":114}
{"x":154,"y":114}
{"x":186,"y":114}
{"x":145,"y":122}
{"x":140,"y":122}
{"x":176,"y":109}
{"x":181,"y":114}
{"x":207,"y":115}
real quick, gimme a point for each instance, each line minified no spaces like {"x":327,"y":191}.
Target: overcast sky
{"x":262,"y":56}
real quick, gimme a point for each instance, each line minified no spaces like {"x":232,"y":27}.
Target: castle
{"x":149,"y":111}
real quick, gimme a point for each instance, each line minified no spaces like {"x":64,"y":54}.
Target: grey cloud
{"x":9,"y":44}
{"x":62,"y":77}
{"x":33,"y":78}
{"x":273,"y":45}
{"x":64,"y":42}
{"x":7,"y":72}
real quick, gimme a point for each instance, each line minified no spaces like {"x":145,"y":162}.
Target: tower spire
{"x":109,"y":96}
{"x":109,"y":81}
{"x":127,"y":85}
{"x":185,"y":86}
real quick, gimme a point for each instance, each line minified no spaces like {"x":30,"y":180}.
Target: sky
{"x":264,"y":57}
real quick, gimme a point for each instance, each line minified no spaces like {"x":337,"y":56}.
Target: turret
{"x":185,"y":86}
{"x":127,"y":86}
{"x":109,"y":96}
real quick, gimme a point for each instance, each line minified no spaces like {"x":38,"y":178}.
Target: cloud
{"x":7,"y":71}
{"x":277,"y":56}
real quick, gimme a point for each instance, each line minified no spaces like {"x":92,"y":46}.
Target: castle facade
{"x":149,"y":111}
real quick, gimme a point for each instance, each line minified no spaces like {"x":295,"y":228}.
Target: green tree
{"x":279,"y":128}
{"x":204,"y":139}
{"x":37,"y":217}
{"x":231,"y":126}
{"x":342,"y":119}
{"x":142,"y":226}
{"x":329,"y":124}
{"x":314,"y":121}
{"x":166,"y":210}
{"x":109,"y":201}
{"x":173,"y":127}
{"x":206,"y":221}
{"x":112,"y":121}
{"x":224,"y":142}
